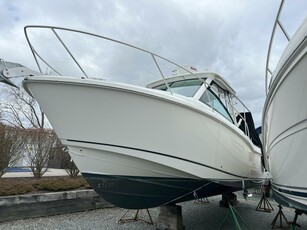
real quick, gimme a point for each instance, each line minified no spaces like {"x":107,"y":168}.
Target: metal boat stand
{"x":264,"y":204}
{"x":136,"y":217}
{"x":233,"y":213}
{"x":281,"y":217}
{"x":201,"y":201}
{"x":293,"y":223}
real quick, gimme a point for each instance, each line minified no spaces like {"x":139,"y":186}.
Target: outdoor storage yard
{"x":195,"y":216}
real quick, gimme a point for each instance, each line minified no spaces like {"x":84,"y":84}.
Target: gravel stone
{"x":195,"y":216}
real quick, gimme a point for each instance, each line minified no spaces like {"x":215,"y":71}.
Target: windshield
{"x":186,"y":88}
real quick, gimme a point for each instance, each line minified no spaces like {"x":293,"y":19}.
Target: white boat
{"x":285,"y":122}
{"x":177,"y":139}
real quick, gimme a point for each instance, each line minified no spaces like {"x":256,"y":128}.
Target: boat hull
{"x":292,"y":197}
{"x":144,"y":192}
{"x":116,"y":132}
{"x":285,"y":128}
{"x":114,"y":171}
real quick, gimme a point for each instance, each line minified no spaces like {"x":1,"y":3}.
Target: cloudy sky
{"x":229,"y":37}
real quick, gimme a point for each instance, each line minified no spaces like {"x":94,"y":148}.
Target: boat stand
{"x":123,"y":220}
{"x":264,"y":204}
{"x":233,"y":213}
{"x":170,"y":218}
{"x":293,"y":223}
{"x":201,"y":201}
{"x":228,"y":198}
{"x":281,"y":216}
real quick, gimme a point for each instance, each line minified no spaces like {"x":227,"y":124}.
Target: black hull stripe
{"x":290,"y":192}
{"x":161,"y":154}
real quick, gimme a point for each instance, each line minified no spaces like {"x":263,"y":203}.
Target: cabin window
{"x":186,"y":88}
{"x":211,"y":99}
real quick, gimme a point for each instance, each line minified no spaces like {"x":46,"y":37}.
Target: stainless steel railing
{"x":277,"y":23}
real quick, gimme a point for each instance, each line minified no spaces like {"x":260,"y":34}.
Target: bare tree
{"x":70,"y":165}
{"x":61,"y":156}
{"x":39,"y":147}
{"x":11,"y":146}
{"x":22,"y":111}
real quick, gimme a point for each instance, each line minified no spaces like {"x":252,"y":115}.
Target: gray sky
{"x":229,"y":37}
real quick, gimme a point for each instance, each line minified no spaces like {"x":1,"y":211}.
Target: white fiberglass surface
{"x":138,"y":123}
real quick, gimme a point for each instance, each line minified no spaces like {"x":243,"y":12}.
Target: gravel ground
{"x":195,"y":216}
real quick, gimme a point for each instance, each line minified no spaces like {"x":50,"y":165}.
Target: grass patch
{"x":18,"y":186}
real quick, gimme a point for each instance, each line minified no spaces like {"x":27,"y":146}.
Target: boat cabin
{"x":214,"y":91}
{"x":209,"y":88}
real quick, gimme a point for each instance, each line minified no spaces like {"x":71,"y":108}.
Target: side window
{"x":209,"y":98}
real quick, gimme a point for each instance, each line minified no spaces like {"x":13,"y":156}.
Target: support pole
{"x":264,"y":204}
{"x":281,"y":217}
{"x":136,"y":217}
{"x":201,"y":201}
{"x":293,"y":223}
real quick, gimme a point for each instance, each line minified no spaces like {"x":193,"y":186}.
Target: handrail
{"x":37,"y":57}
{"x":279,"y":24}
{"x":72,"y":56}
{"x":53,"y":28}
{"x":247,"y":131}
